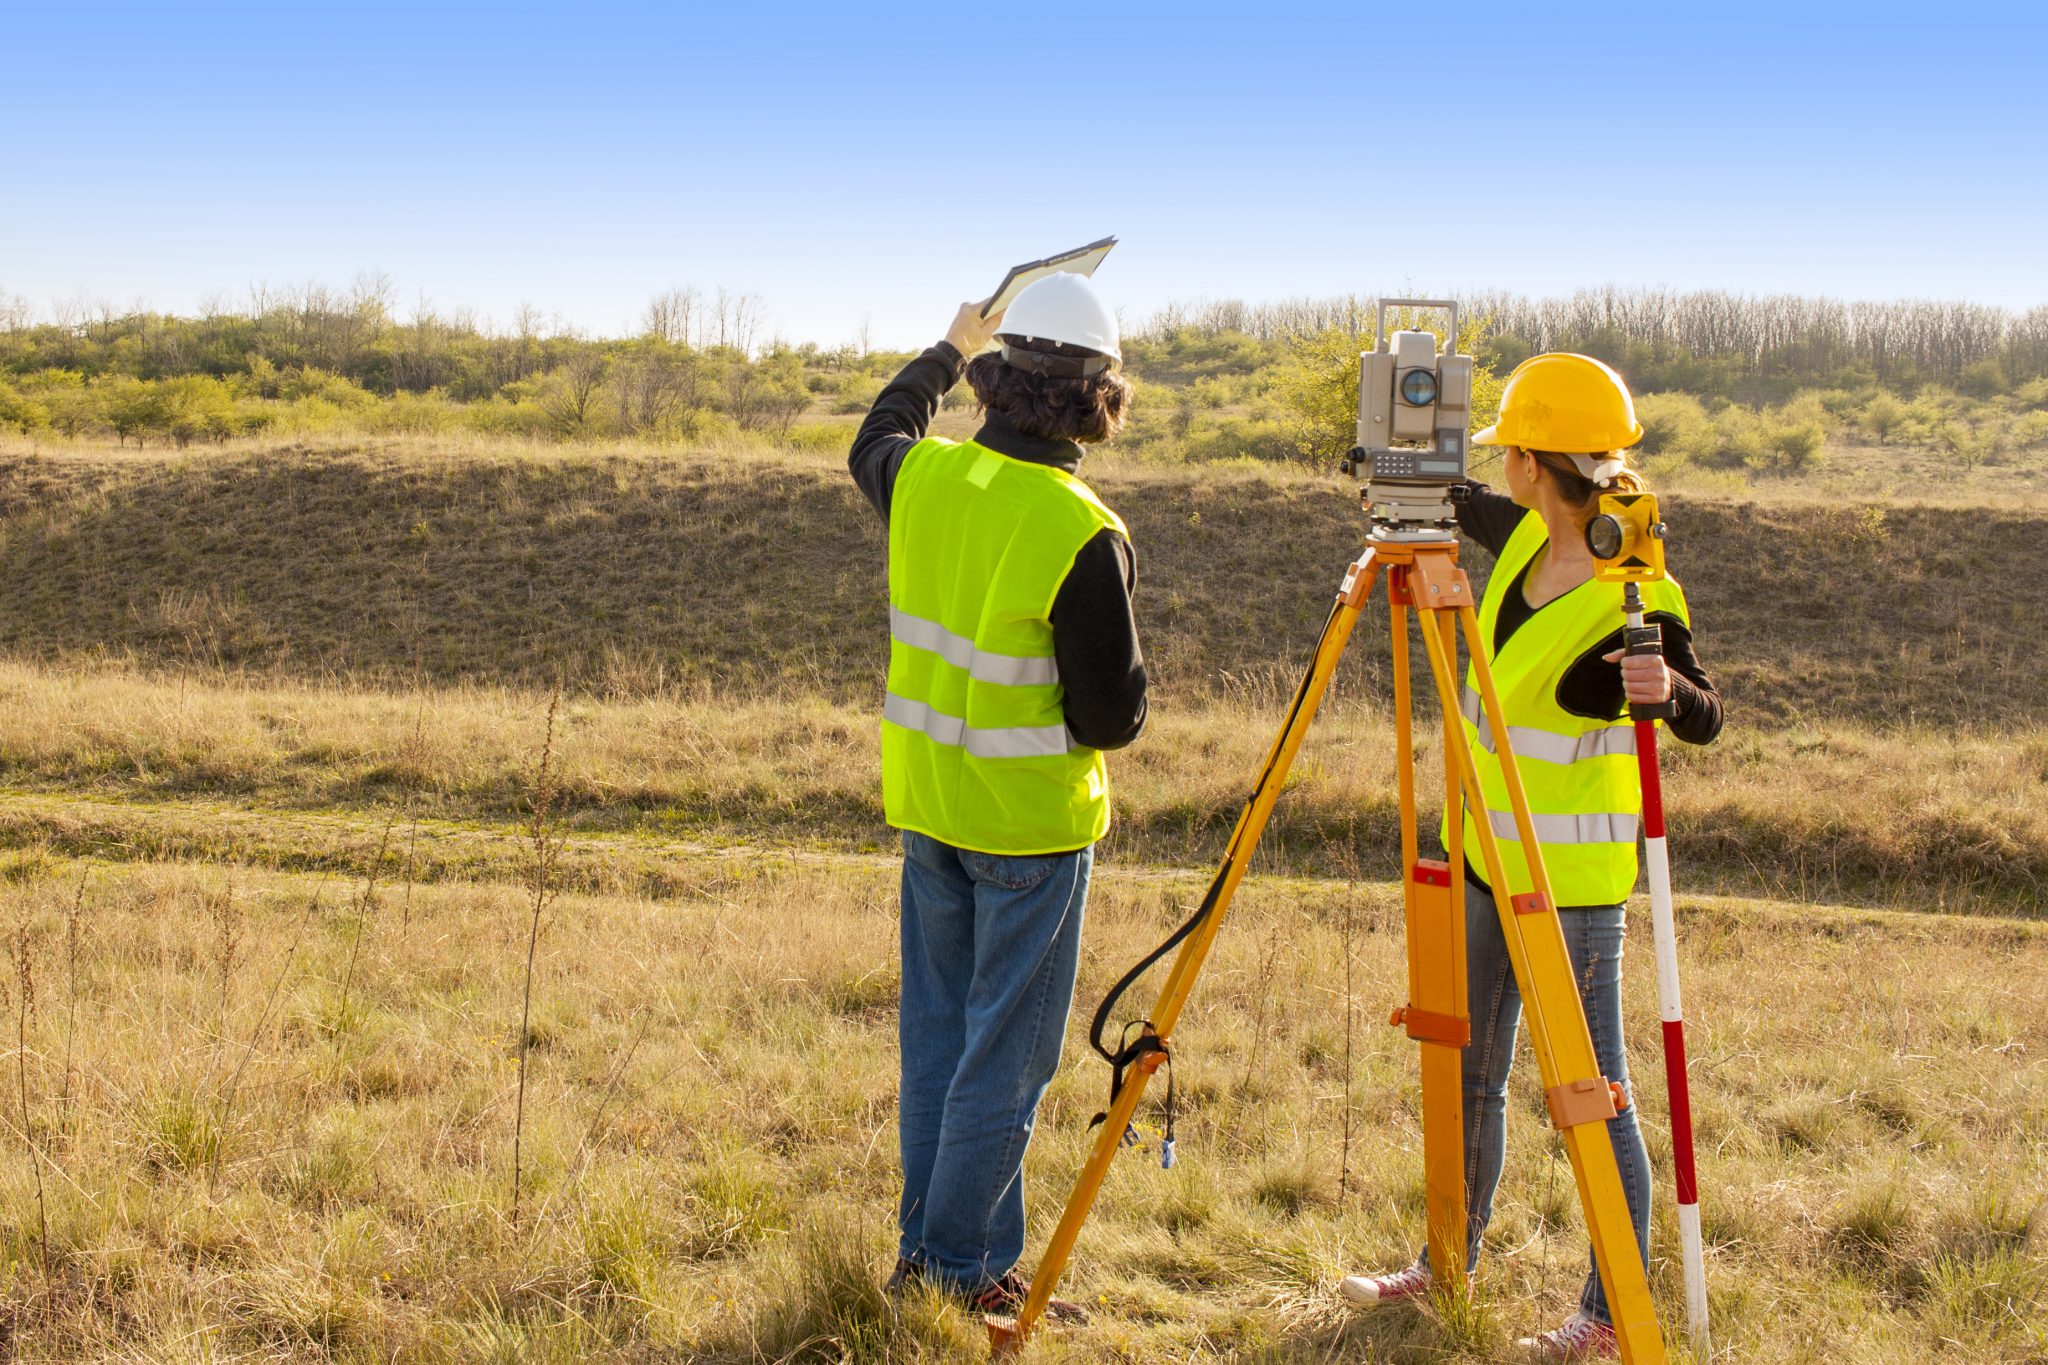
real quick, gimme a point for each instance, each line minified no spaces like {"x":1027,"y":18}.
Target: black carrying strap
{"x":1052,"y":364}
{"x":1129,"y":1050}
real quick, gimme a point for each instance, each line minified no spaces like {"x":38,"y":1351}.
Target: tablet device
{"x":1082,"y":260}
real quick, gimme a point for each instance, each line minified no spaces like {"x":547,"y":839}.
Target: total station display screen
{"x":1430,"y":465}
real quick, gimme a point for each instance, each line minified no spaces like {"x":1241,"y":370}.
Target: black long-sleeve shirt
{"x":1591,"y":686}
{"x":1094,"y":632}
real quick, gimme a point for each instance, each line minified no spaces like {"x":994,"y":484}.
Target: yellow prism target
{"x":1627,"y":539}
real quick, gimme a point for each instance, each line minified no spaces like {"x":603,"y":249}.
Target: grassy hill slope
{"x":630,"y":572}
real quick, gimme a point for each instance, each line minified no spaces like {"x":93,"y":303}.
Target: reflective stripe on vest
{"x":1613,"y":827}
{"x":1011,"y":670}
{"x":1551,"y":747}
{"x":975,"y":747}
{"x":1014,"y":741}
{"x":1577,"y":772}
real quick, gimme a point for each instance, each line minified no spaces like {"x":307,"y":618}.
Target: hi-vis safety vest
{"x":975,"y":749}
{"x":1585,"y":791}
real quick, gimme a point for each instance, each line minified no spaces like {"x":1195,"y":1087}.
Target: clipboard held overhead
{"x":1082,"y":260}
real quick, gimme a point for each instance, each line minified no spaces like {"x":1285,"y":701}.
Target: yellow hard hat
{"x":1571,"y":404}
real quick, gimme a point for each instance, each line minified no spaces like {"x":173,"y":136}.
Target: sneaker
{"x":1581,"y":1338}
{"x":1370,"y":1290}
{"x":1002,"y":1298}
{"x":903,"y":1278}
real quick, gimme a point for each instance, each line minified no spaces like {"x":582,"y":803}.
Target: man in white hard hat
{"x":1013,"y":664}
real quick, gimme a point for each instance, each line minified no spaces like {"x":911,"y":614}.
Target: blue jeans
{"x":1593,"y":938}
{"x":990,"y":948}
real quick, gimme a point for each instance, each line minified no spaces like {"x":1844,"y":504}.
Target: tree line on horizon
{"x":1753,"y":348}
{"x":311,"y":359}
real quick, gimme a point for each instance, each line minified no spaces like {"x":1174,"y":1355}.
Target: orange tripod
{"x":1423,"y":577}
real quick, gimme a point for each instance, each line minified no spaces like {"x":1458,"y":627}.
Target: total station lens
{"x":1418,"y":388}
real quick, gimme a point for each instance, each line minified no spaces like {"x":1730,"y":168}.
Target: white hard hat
{"x":1063,"y":308}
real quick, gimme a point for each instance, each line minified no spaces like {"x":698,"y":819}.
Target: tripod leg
{"x":1436,"y":1014}
{"x":1006,"y":1338}
{"x":1580,"y":1102}
{"x":1448,"y":1063}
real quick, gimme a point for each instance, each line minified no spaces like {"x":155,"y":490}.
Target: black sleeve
{"x":1591,"y":687}
{"x":1489,"y":518}
{"x":901,"y":415}
{"x":1095,"y":640}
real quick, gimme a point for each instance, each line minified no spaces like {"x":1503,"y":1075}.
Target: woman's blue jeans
{"x":1593,"y":937}
{"x":990,"y":948}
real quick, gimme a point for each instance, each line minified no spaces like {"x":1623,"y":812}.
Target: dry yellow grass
{"x":626,"y":571}
{"x":241,"y":1165}
{"x":1914,"y":816}
{"x":270,"y":1107}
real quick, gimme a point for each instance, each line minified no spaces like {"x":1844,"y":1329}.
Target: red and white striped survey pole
{"x":1669,"y":1005}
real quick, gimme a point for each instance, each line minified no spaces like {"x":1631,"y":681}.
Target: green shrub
{"x":21,"y":412}
{"x":2029,"y":430}
{"x":1838,"y":405}
{"x":1884,"y":416}
{"x":1983,"y":379}
{"x":856,"y":393}
{"x":1806,"y":409}
{"x":1676,"y":427}
{"x":508,"y":417}
{"x":1795,"y":447}
{"x":819,"y":437}
{"x":310,"y":382}
{"x":196,"y":407}
{"x":412,"y":414}
{"x":1244,"y":438}
{"x":1739,"y":441}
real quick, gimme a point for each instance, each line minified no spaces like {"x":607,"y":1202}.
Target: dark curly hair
{"x":1088,"y":409}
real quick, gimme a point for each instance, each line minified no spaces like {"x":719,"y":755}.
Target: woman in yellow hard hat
{"x":1552,"y":634}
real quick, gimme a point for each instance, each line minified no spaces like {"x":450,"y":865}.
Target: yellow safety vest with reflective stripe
{"x":975,"y":749}
{"x":1585,"y":791}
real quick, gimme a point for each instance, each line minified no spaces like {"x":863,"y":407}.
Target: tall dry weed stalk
{"x":1350,"y":1029}
{"x":226,"y":914}
{"x":366,"y":905}
{"x":416,"y":764}
{"x":545,"y":847}
{"x":1268,"y":958}
{"x":74,"y":935}
{"x":24,"y":1012}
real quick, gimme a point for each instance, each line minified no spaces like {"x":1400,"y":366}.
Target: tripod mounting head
{"x":1414,"y":425}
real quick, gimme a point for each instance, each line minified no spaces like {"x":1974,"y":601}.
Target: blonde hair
{"x":1581,"y":492}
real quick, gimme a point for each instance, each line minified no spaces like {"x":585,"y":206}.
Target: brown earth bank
{"x":629,"y":572}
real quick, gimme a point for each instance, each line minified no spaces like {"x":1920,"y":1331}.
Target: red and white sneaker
{"x":1581,"y":1338}
{"x":1366,"y":1291}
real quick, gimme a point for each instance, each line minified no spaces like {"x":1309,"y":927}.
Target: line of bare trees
{"x":721,"y":320}
{"x":1810,"y":338}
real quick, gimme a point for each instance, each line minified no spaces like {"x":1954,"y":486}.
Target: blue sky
{"x":878,"y":163}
